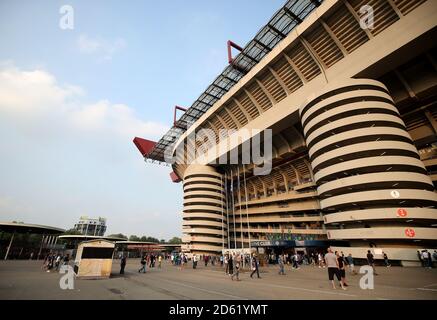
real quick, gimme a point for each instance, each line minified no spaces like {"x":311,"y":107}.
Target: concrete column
{"x":365,"y":164}
{"x":40,"y":248}
{"x":10,"y":245}
{"x":203,"y":217}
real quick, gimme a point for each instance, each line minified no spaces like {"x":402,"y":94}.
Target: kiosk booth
{"x":94,"y":259}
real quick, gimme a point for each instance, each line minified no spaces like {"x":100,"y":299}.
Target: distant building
{"x":91,"y":226}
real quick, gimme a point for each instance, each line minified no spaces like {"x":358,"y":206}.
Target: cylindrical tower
{"x":373,"y":188}
{"x":204,"y":226}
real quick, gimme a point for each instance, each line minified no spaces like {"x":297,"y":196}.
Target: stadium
{"x":353,"y":116}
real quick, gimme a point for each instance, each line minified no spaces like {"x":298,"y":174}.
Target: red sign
{"x":410,"y":233}
{"x":402,"y":213}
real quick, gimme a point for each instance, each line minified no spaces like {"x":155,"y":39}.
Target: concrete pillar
{"x":204,"y":219}
{"x":365,"y":164}
{"x":9,"y":246}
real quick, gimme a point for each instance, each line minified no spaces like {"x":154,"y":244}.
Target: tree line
{"x":174,"y":240}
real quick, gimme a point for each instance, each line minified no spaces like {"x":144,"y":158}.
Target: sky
{"x":72,"y":100}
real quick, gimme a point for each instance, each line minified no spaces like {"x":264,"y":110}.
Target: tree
{"x":149,"y":239}
{"x":72,"y":232}
{"x":118,"y":235}
{"x":134,"y":238}
{"x":162,"y":240}
{"x":175,"y":240}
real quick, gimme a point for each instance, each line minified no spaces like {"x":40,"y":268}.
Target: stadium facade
{"x":353,"y":115}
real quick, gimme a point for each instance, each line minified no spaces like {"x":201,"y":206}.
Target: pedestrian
{"x":281,"y":265}
{"x":434,"y":255}
{"x":332,"y":264}
{"x":427,"y":260}
{"x":419,"y":255}
{"x":195,"y":259}
{"x":371,"y":261}
{"x":143,"y":265}
{"x":58,"y":262}
{"x":255,"y":267}
{"x":230,"y":265}
{"x":321,"y":260}
{"x":182,"y":262}
{"x":221,"y":260}
{"x":159,"y":262}
{"x":237,"y":269}
{"x":386,"y":262}
{"x":152,"y":261}
{"x":350,"y":262}
{"x":295,"y":261}
{"x":226,"y":262}
{"x":50,"y":262}
{"x":342,"y":268}
{"x":66,"y":259}
{"x":122,"y":264}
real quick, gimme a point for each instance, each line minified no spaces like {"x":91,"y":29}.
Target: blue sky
{"x":71,"y":101}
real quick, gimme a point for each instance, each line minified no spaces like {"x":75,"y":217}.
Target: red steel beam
{"x":174,"y":177}
{"x":144,"y":145}
{"x":230,"y":46}
{"x":174,"y":113}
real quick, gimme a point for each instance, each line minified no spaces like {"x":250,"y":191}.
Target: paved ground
{"x":26,"y":280}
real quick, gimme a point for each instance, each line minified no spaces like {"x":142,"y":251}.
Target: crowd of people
{"x":233,"y":262}
{"x":336,"y":262}
{"x":426,"y":257}
{"x":54,"y":260}
{"x":150,"y":260}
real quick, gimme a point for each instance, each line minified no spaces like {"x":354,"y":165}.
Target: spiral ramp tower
{"x":373,"y":188}
{"x":204,"y":223}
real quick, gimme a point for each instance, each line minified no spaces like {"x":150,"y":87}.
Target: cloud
{"x":63,"y":156}
{"x":35,"y":96}
{"x":104,"y":49}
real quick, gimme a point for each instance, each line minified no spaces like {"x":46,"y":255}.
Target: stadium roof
{"x":87,"y":237}
{"x":279,"y":26}
{"x":19,"y":227}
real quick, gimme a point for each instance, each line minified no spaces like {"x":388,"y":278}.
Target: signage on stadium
{"x":288,"y":243}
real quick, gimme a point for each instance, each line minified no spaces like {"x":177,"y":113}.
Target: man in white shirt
{"x":332,"y":264}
